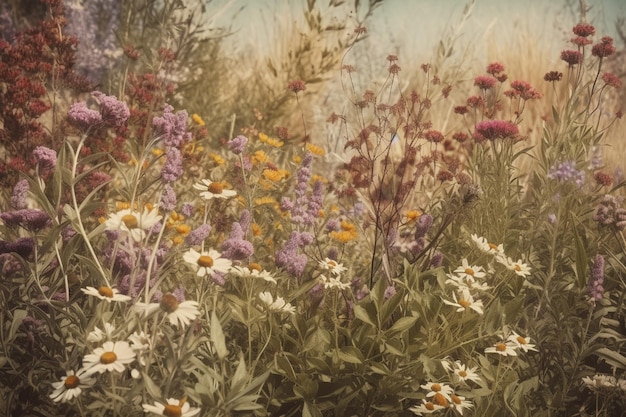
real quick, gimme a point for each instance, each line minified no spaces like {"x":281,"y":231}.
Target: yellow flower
{"x":315,"y":150}
{"x":256,"y":229}
{"x":275,"y":175}
{"x":197,"y":119}
{"x":218,"y":159}
{"x":157,"y":152}
{"x":347,"y":233}
{"x":270,"y":141}
{"x":297,"y":159}
{"x":264,"y":200}
{"x":177,"y":240}
{"x":412,"y":215}
{"x":315,"y":178}
{"x":259,"y":157}
{"x":183,"y":229}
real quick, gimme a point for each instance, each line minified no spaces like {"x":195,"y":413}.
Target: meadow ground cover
{"x":453,"y":245}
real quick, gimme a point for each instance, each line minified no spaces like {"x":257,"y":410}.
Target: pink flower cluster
{"x":495,"y":129}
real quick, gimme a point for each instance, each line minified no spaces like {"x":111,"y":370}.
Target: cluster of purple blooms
{"x":304,"y":210}
{"x":566,"y":171}
{"x":611,"y":213}
{"x":596,"y":279}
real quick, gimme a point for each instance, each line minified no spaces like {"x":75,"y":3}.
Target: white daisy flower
{"x":212,"y":189}
{"x":462,"y":282}
{"x":279,"y":305}
{"x":243,"y":271}
{"x":522,"y":342}
{"x":519,"y":267}
{"x":174,"y":407}
{"x":133,"y":223}
{"x":71,"y":386}
{"x":459,"y":403}
{"x":207,"y":263}
{"x":334,"y":267}
{"x":484,"y":245}
{"x":469,"y":272}
{"x":426,"y":407}
{"x":333,"y":282}
{"x":438,"y":392}
{"x":98,"y":335}
{"x":600,"y":382}
{"x":503,"y":348}
{"x":140,"y":343}
{"x":465,"y":301}
{"x":112,"y":356}
{"x":462,"y":372}
{"x":178,"y":314}
{"x":106,"y":293}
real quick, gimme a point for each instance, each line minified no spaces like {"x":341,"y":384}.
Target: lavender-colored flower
{"x":237,"y":145}
{"x":179,"y":293}
{"x":30,"y":219}
{"x":46,"y":158}
{"x":299,"y":214}
{"x":566,"y":172}
{"x":188,"y":209}
{"x":23,"y":246}
{"x":390,"y":291}
{"x":595,"y":161}
{"x":316,"y":201}
{"x":286,"y":204}
{"x":423,"y":225}
{"x":97,"y":50}
{"x":114,"y":112}
{"x":358,"y":209}
{"x":197,"y":236}
{"x":552,"y":218}
{"x":333,"y":225}
{"x":245,"y":220}
{"x":596,"y":278}
{"x":611,"y":213}
{"x":288,"y":258}
{"x":172,"y":128}
{"x":67,"y":233}
{"x":236,"y":247}
{"x":436,"y":260}
{"x":173,"y":167}
{"x":20,"y":192}
{"x":168,"y":198}
{"x":83,"y":117}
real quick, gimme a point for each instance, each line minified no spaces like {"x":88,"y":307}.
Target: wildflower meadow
{"x":182,"y":234}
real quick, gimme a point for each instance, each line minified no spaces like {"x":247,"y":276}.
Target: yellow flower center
{"x":105,"y":292}
{"x":71,"y":381}
{"x":255,"y":266}
{"x":172,"y":410}
{"x":455,"y":399}
{"x":130,"y":221}
{"x":462,"y":373}
{"x":429,"y":406}
{"x":493,"y":246}
{"x":215,"y":188}
{"x":205,"y":261}
{"x":169,"y":303}
{"x":108,"y":357}
{"x":501,"y":347}
{"x":439,"y":399}
{"x":521,"y":340}
{"x":332,"y":264}
{"x":469,"y":271}
{"x":517,"y":267}
{"x":435,"y":387}
{"x":464,"y":303}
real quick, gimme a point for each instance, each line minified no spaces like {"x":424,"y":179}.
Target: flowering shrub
{"x":148,"y":269}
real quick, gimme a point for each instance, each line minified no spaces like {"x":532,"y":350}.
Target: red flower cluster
{"x":484,"y":82}
{"x":584,"y":30}
{"x":571,"y":57}
{"x":495,"y":129}
{"x":523,"y":90}
{"x":296,"y":86}
{"x":611,"y":80}
{"x":604,"y":48}
{"x":553,"y":76}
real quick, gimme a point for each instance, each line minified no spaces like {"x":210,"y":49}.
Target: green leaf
{"x":581,"y":258}
{"x":217,"y":337}
{"x":611,"y":357}
{"x":402,"y":324}
{"x":151,"y":387}
{"x":310,"y":410}
{"x":361,"y":314}
{"x":350,"y":354}
{"x":18,"y":318}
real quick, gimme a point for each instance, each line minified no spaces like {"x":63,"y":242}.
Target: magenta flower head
{"x":524,"y":90}
{"x":571,"y":57}
{"x":46,"y":158}
{"x":20,"y":192}
{"x":584,"y":30}
{"x":604,"y":48}
{"x":114,"y":112}
{"x":495,"y":68}
{"x":495,"y":129}
{"x":29,"y":219}
{"x":237,"y":145}
{"x":433,"y":136}
{"x":82,"y":117}
{"x":611,"y":80}
{"x":484,"y":82}
{"x":296,"y":86}
{"x":596,"y":279}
